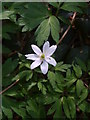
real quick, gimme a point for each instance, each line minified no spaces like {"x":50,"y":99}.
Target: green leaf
{"x":88,"y":65}
{"x":81,"y":64}
{"x":72,"y":107}
{"x":77,"y":70}
{"x":79,"y":87}
{"x":31,"y":85}
{"x":68,"y":7}
{"x":5,"y":49}
{"x":5,"y":14}
{"x":32,"y":16}
{"x":83,"y":95}
{"x":84,"y":106}
{"x":20,"y":111}
{"x":51,"y":77}
{"x":42,"y":32}
{"x":52,"y":109}
{"x":7,"y":29}
{"x":34,"y":109}
{"x":66,"y":107}
{"x":65,"y":20}
{"x":42,"y":87}
{"x":62,"y":67}
{"x":69,"y":83}
{"x":6,"y":106}
{"x":7,"y":112}
{"x":9,"y":66}
{"x":27,"y":73}
{"x":58,"y":112}
{"x":68,"y":74}
{"x":55,"y":28}
{"x":55,"y":4}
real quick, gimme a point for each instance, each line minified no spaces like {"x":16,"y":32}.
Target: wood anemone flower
{"x":42,"y":58}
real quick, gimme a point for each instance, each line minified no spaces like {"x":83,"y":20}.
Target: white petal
{"x":51,"y":61}
{"x":46,"y":47}
{"x":36,"y":49}
{"x":51,"y":50}
{"x":35,"y":64}
{"x":32,"y":56}
{"x":44,"y":67}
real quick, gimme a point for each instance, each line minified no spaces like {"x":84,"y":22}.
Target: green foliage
{"x":63,"y":93}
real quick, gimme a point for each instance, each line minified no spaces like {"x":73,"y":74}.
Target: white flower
{"x":42,"y":58}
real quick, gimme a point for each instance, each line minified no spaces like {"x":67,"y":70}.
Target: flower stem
{"x":9,"y":87}
{"x":74,"y":15}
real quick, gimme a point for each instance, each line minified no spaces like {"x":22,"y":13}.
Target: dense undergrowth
{"x":63,"y":93}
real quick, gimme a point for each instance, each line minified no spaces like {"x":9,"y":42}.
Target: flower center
{"x":42,"y":56}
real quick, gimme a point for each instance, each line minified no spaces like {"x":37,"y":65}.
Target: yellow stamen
{"x":42,"y":56}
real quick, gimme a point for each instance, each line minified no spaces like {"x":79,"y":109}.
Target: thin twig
{"x":74,"y":15}
{"x":9,"y":87}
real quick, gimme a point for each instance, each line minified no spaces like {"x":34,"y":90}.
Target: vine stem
{"x":9,"y":87}
{"x":74,"y":15}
